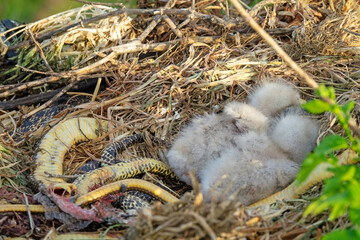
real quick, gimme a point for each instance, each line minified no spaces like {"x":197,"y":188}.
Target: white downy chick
{"x":254,"y":171}
{"x":206,"y":136}
{"x":246,"y":116}
{"x":296,"y":135}
{"x":200,"y":143}
{"x":271,"y":98}
{"x":258,"y":145}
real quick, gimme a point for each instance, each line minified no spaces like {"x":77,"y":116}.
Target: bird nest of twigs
{"x":153,"y":68}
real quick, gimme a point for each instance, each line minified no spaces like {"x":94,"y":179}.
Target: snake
{"x":133,"y":199}
{"x":71,"y":131}
{"x":34,"y":122}
{"x":21,"y":208}
{"x":109,"y":154}
{"x":294,"y":190}
{"x":128,"y":184}
{"x":55,"y":144}
{"x":86,"y":235}
{"x":59,"y":139}
{"x":121,"y":170}
{"x":121,"y":185}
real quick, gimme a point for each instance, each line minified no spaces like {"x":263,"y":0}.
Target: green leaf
{"x":348,"y":107}
{"x":338,"y":203}
{"x":336,"y":235}
{"x":331,"y":143}
{"x":326,"y":92}
{"x":340,"y":193}
{"x":317,"y":106}
{"x":347,"y":234}
{"x":349,"y":174}
{"x":310,"y":162}
{"x":346,"y":114}
{"x":356,"y":145}
{"x":339,"y":208}
{"x":354,"y":215}
{"x":254,"y":2}
{"x":328,"y":145}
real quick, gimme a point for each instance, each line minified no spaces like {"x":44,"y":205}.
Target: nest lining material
{"x":198,"y":65}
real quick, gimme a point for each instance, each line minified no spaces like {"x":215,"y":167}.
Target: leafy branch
{"x":341,"y":193}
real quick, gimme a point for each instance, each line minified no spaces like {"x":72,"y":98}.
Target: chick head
{"x":271,"y":98}
{"x":296,"y":135}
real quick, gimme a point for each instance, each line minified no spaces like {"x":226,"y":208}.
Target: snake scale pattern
{"x":55,"y":144}
{"x":21,"y":208}
{"x":126,"y":184}
{"x":122,"y":170}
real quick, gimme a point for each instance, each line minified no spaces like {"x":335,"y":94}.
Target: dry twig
{"x":309,"y":80}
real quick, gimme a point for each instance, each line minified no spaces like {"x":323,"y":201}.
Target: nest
{"x":152,"y":69}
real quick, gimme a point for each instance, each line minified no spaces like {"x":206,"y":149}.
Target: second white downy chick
{"x":271,"y":98}
{"x":201,"y":142}
{"x":296,"y":135}
{"x":254,"y":170}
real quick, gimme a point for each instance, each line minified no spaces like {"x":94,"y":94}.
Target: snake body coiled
{"x":55,"y":144}
{"x":119,"y":171}
{"x":133,"y":199}
{"x":109,"y":154}
{"x":62,"y":137}
{"x":108,"y":157}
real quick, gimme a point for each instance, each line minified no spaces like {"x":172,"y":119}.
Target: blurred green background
{"x":32,"y":10}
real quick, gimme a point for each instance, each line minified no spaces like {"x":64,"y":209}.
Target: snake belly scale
{"x":55,"y":144}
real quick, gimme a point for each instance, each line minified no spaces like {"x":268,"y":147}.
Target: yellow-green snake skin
{"x":62,"y":137}
{"x":129,"y":184}
{"x":119,"y":171}
{"x":21,"y":208}
{"x":319,"y":174}
{"x":56,"y":143}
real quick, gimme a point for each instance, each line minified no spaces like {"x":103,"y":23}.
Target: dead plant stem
{"x":274,"y":45}
{"x":309,"y":80}
{"x":158,"y":11}
{"x":42,"y":55}
{"x":100,"y":3}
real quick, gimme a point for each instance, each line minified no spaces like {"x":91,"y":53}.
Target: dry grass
{"x":197,"y":67}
